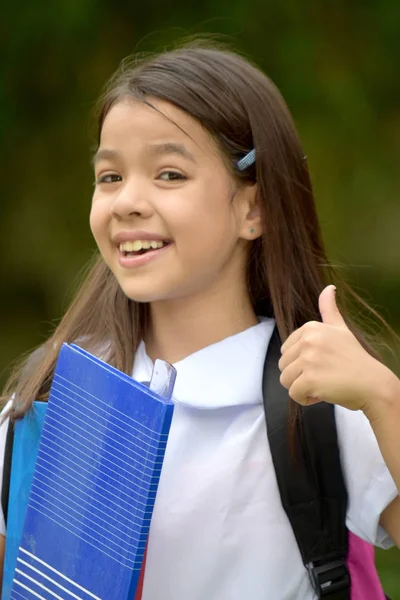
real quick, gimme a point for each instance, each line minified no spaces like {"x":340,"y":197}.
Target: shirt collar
{"x":228,"y":373}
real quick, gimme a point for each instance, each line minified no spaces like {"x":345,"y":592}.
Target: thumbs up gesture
{"x":325,"y":362}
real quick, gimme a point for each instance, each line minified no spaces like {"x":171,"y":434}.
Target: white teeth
{"x":136,"y":245}
{"x":140,"y":245}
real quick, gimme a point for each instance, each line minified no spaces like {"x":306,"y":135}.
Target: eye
{"x":171,"y":176}
{"x":108,"y":178}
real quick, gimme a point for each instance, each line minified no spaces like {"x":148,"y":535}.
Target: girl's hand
{"x":324,"y":362}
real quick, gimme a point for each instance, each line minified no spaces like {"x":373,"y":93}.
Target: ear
{"x":250,"y":213}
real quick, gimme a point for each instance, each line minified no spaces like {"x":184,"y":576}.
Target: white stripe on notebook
{"x":45,"y":485}
{"x":124,"y":564}
{"x":28,"y":589}
{"x":54,"y":582}
{"x":89,"y":470}
{"x":47,"y":482}
{"x":128,"y":442}
{"x":82,"y":484}
{"x":145,"y":478}
{"x":81,"y":519}
{"x":16,"y":594}
{"x":43,"y":587}
{"x":100,"y":401}
{"x":142,"y":460}
{"x":124,"y":553}
{"x":45,"y":564}
{"x":106,"y":421}
{"x":14,"y":591}
{"x":63,"y":452}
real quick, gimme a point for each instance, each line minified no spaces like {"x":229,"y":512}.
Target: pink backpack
{"x":365,"y":583}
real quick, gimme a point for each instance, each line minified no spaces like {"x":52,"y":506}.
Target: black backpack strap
{"x":5,"y":487}
{"x":310,"y":480}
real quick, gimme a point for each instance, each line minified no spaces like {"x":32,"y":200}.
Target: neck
{"x":184,"y":326}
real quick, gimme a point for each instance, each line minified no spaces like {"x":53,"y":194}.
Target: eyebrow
{"x":105,"y":154}
{"x":171,"y":148}
{"x":152,"y":149}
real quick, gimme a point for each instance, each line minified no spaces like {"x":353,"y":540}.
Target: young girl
{"x":204,"y":217}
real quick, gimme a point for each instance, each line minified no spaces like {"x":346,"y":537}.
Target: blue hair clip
{"x":247,"y":160}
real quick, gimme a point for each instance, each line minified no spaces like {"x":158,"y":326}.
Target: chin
{"x":148,"y":294}
{"x":144,"y":296}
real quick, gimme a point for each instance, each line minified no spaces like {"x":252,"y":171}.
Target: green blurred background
{"x":336,"y":63}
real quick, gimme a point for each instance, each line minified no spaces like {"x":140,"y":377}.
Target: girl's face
{"x":166,"y":214}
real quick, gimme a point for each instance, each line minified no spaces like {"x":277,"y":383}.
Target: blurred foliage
{"x":336,"y":63}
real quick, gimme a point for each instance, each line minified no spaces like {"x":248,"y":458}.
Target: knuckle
{"x":312,"y":326}
{"x":308,"y":380}
{"x":309,"y":340}
{"x":310,"y":355}
{"x":296,"y":397}
{"x":313,"y":335}
{"x":282,"y":379}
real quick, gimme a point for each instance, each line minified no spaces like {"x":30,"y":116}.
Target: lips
{"x":122,"y":237}
{"x":133,"y":259}
{"x":140,"y":245}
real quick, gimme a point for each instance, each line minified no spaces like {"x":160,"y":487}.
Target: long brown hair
{"x":287,"y":269}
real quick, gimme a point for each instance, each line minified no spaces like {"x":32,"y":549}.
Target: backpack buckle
{"x":329,"y":578}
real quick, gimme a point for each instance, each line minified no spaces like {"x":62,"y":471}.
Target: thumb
{"x":328,"y":308}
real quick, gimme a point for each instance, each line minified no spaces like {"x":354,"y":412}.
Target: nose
{"x":130,"y":200}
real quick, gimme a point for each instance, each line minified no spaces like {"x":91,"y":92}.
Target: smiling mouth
{"x":139,"y":247}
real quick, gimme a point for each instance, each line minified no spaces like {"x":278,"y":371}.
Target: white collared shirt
{"x":219,"y":531}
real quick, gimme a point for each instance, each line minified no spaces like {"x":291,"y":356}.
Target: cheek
{"x":99,"y":229}
{"x":206,"y":209}
{"x":97,"y":218}
{"x":93,"y":223}
{"x":205,"y":233}
{"x":214,"y":222}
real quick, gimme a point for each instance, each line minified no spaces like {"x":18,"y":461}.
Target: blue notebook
{"x":94,"y":483}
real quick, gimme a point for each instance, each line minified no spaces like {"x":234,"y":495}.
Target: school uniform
{"x":219,"y":531}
